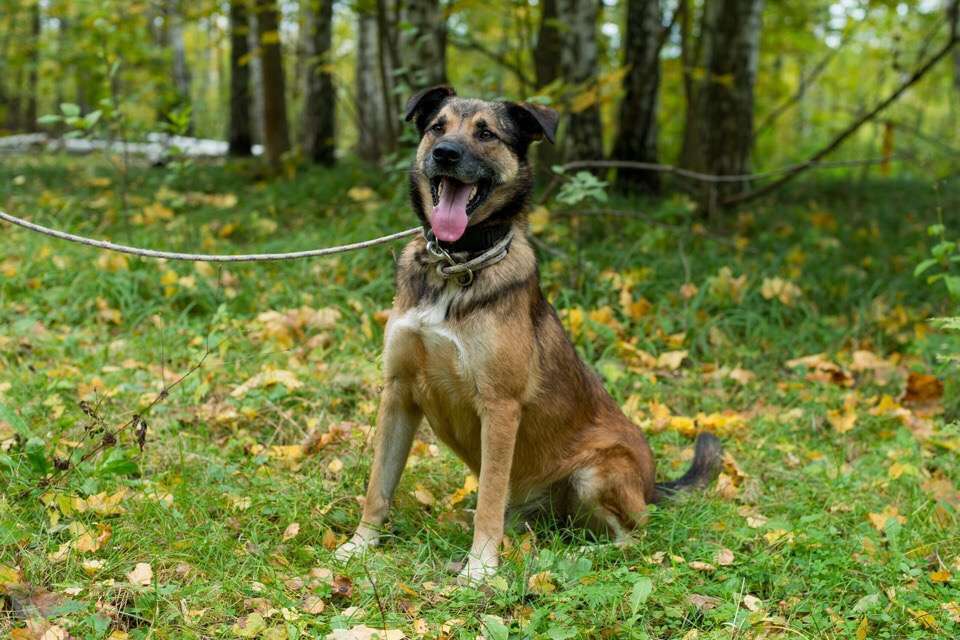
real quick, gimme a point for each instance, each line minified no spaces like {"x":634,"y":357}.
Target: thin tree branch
{"x":855,"y":125}
{"x":468,"y":42}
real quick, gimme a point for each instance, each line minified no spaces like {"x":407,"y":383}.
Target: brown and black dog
{"x":485,"y":358}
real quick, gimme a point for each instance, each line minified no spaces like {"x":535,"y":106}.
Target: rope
{"x":170,"y":255}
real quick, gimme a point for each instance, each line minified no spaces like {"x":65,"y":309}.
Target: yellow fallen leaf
{"x":671,"y":360}
{"x":898,"y":469}
{"x":268,"y":379}
{"x":541,"y":583}
{"x":778,"y":535}
{"x":539,"y":219}
{"x":92,"y":567}
{"x":879,"y":520}
{"x":89,"y":541}
{"x":842,"y":421}
{"x":940,"y":576}
{"x":469,"y":486}
{"x":925,"y":619}
{"x":862,"y":629}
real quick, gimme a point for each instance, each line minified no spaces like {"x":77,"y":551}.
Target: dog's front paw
{"x":476,"y":571}
{"x":355,"y":546}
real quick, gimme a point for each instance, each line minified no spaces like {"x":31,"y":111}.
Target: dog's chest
{"x":424,"y":337}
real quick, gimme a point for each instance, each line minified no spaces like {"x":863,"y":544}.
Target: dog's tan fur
{"x":491,"y":369}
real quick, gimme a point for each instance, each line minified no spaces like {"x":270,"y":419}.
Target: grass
{"x":210,"y":500}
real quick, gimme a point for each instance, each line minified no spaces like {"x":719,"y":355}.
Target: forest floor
{"x":795,"y":330}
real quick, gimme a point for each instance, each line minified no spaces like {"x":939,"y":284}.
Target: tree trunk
{"x":547,"y":54}
{"x":240,"y":134}
{"x":579,"y":65}
{"x":180,"y":68}
{"x":319,"y":105}
{"x":30,"y":108}
{"x":423,"y":43}
{"x":637,"y":133}
{"x":720,"y":123}
{"x":373,"y":118}
{"x":276,"y":132}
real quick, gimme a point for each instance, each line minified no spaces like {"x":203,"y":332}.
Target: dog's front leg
{"x":499,"y":422}
{"x":396,"y":425}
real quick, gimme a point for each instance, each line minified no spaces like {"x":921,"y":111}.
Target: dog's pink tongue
{"x":449,"y":217}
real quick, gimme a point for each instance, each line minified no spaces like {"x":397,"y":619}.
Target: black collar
{"x":477,"y":239}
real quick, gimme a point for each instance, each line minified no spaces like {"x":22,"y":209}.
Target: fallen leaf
{"x":879,"y":520}
{"x":752,"y":603}
{"x":423,"y":495}
{"x":313,"y":604}
{"x":541,"y":583}
{"x":702,"y":566}
{"x":842,"y":421}
{"x":342,"y":587}
{"x":702,"y":602}
{"x":291,"y":531}
{"x":363,"y":632}
{"x":268,"y":379}
{"x":141,"y":575}
{"x":940,"y":576}
{"x":723,"y":557}
{"x":953,"y":610}
{"x":922,"y":388}
{"x":671,"y":360}
{"x":249,"y":626}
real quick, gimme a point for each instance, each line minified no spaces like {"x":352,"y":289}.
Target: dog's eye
{"x":437,"y":128}
{"x":486,"y":134}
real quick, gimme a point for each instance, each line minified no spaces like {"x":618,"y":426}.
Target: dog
{"x":472,"y":345}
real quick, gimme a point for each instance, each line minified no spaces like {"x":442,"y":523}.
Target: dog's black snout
{"x":447,"y":153}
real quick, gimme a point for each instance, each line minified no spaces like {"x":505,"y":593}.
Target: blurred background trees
{"x":723,"y":87}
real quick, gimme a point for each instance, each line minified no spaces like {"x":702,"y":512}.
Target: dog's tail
{"x":707,"y":460}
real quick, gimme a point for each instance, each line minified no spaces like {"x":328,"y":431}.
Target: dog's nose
{"x":447,"y":153}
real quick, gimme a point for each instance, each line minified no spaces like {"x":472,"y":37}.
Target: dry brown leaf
{"x":702,"y":566}
{"x":752,"y":603}
{"x":922,"y":388}
{"x":141,"y":575}
{"x":313,"y":604}
{"x":724,"y":557}
{"x":291,"y":531}
{"x":702,"y":602}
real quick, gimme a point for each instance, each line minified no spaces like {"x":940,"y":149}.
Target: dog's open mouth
{"x":453,"y":202}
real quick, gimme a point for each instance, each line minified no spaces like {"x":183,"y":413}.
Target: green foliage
{"x":943,"y":261}
{"x":583,"y":185}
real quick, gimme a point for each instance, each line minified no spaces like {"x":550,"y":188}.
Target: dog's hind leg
{"x":396,"y":425}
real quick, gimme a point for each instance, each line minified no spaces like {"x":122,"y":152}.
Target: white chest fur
{"x":428,"y":321}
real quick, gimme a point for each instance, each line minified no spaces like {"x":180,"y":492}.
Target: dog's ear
{"x":534,"y":121}
{"x":425,"y":103}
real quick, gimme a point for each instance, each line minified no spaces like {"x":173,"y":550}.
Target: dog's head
{"x":471,"y":165}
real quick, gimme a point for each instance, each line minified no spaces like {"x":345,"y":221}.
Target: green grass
{"x":209,"y":499}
